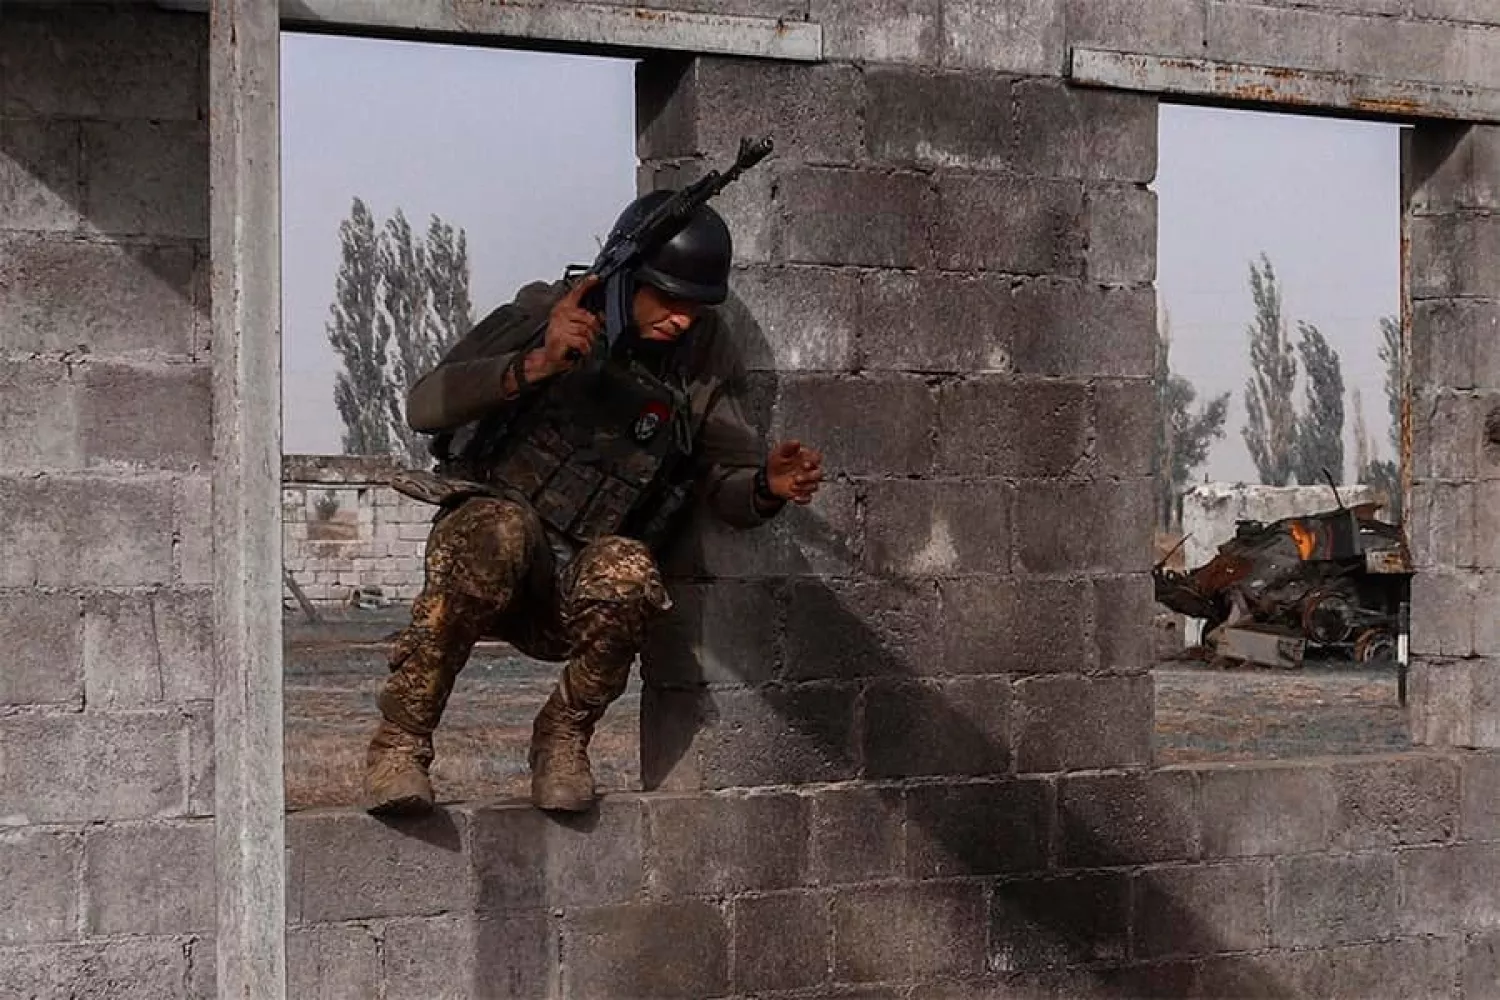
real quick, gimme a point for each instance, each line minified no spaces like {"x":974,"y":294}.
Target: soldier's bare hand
{"x":794,"y":472}
{"x":570,"y":327}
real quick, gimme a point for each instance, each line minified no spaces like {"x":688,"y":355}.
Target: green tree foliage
{"x":359,"y":390}
{"x":1183,"y":434}
{"x":1270,"y":415}
{"x":1319,"y":440}
{"x":1385,"y":473}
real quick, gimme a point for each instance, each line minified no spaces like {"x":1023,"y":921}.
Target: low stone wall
{"x":344,"y":530}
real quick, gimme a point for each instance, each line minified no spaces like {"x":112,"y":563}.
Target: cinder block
{"x":1108,"y":530}
{"x":863,"y":426}
{"x":848,"y":217}
{"x":1268,"y":36}
{"x":1452,"y":255}
{"x":936,"y":322}
{"x":1078,"y":723}
{"x":1447,"y":434}
{"x":1440,"y":520}
{"x":988,"y":828}
{"x":128,"y":969}
{"x":128,"y":541}
{"x":957,"y":727}
{"x":40,"y":872}
{"x":1481,"y":966}
{"x":121,"y":660}
{"x":1250,"y":810}
{"x":998,"y":426}
{"x":1024,"y":36}
{"x":86,"y":768}
{"x":1442,"y":614}
{"x":152,"y":879}
{"x":1163,"y":27}
{"x":525,"y":859}
{"x":994,"y":222}
{"x":1446,"y":337}
{"x":346,"y":866}
{"x":39,"y":403}
{"x":908,"y":931}
{"x":1471,"y":11}
{"x":200,"y":764}
{"x":44,"y":636}
{"x":856,"y":835}
{"x":1122,"y":624}
{"x":775,"y":736}
{"x":794,"y":318}
{"x":1201,"y":910}
{"x":716,"y":633}
{"x":435,"y":957}
{"x":1448,"y":889}
{"x":671,"y":719}
{"x":1095,"y":135}
{"x":515,"y":957}
{"x":822,"y":539}
{"x":879,"y":31}
{"x":996,"y":624}
{"x":1480,"y":818}
{"x":918,"y":528}
{"x":1402,"y":801}
{"x":1486,"y":554}
{"x":1395,"y":970}
{"x":1125,"y":819}
{"x":1121,"y":222}
{"x":1401,"y":49}
{"x":960,"y":120}
{"x":1064,"y":328}
{"x":1458,"y":166}
{"x":333,"y":962}
{"x":781,"y":942}
{"x":110,"y":64}
{"x":862,"y":628}
{"x":1321,"y":900}
{"x":147,"y":178}
{"x":658,"y":949}
{"x":1059,"y":921}
{"x":40,"y":176}
{"x":813,"y":111}
{"x":1440,"y":696}
{"x":156,"y":417}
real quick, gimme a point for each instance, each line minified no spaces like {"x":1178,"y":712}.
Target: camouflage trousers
{"x":491,"y":574}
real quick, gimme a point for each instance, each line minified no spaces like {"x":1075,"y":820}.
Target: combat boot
{"x":561,"y":778}
{"x":396,"y":781}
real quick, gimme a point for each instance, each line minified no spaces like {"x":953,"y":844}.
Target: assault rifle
{"x":627,"y":248}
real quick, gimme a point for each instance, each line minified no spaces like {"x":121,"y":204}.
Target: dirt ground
{"x":334,"y":671}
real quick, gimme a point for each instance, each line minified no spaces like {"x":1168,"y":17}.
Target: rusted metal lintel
{"x":1400,"y":100}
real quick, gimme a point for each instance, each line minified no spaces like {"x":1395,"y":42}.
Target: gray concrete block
{"x":1322,"y":900}
{"x":1163,"y":27}
{"x":908,"y":931}
{"x":1401,"y":49}
{"x":661,"y":950}
{"x":525,"y":859}
{"x":103,"y":298}
{"x":1439,"y":521}
{"x":795,"y":318}
{"x":38,"y":402}
{"x":515,"y":956}
{"x":1124,"y":426}
{"x":1404,"y":801}
{"x":1480,"y":800}
{"x":1442,"y":614}
{"x":1065,"y":328}
{"x":146,"y":178}
{"x":671,"y":719}
{"x":40,"y":176}
{"x":725,"y":845}
{"x":863,"y":426}
{"x":1021,"y":428}
{"x":127,"y":542}
{"x":121,"y":658}
{"x":989,"y":222}
{"x":994,"y":625}
{"x":960,"y":120}
{"x":193,"y":530}
{"x":955,"y":727}
{"x":1454,"y":255}
{"x":1447,"y":435}
{"x":128,"y":969}
{"x":1270,"y":36}
{"x":1201,"y":910}
{"x":332,"y":962}
{"x":156,"y":878}
{"x":1471,"y":11}
{"x":435,"y":957}
{"x":1455,"y":344}
{"x":1486,"y":553}
{"x":1441,"y":698}
{"x":832,"y":216}
{"x":813,"y":111}
{"x":1448,"y":889}
{"x":821,"y":539}
{"x":781,"y":942}
{"x":184,"y":637}
{"x":1480,"y":966}
{"x":879,"y":31}
{"x":146,"y":416}
{"x":960,"y":831}
{"x":935,"y":322}
{"x":919,"y":528}
{"x":1122,"y":624}
{"x":856,"y":835}
{"x":1096,"y":135}
{"x":1024,"y":36}
{"x":1038,"y":923}
{"x":44,"y":634}
{"x":40,"y":872}
{"x":1078,"y":723}
{"x":1265,"y":810}
{"x":1457,"y":167}
{"x":1121,"y":221}
{"x":346,"y":866}
{"x":1396,"y":970}
{"x":110,"y":64}
{"x":717,"y":633}
{"x":1125,"y":819}
{"x":87,"y":768}
{"x":862,"y":628}
{"x":201,"y":759}
{"x":775,"y":736}
{"x":1116,"y":513}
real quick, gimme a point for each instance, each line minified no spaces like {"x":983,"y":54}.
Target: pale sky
{"x":534,"y":155}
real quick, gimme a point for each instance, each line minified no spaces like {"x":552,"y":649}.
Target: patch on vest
{"x":650,"y":421}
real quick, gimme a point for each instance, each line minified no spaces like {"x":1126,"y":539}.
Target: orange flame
{"x":1306,"y":541}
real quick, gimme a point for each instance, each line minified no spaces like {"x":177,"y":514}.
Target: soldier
{"x":559,"y":475}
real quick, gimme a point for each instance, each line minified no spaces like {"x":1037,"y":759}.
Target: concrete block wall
{"x":106,"y":709}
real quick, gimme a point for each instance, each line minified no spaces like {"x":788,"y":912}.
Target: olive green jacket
{"x":466,"y":385}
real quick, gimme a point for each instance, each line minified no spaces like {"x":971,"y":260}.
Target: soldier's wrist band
{"x":762,"y":487}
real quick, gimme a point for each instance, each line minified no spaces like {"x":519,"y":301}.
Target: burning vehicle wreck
{"x":1337,"y":582}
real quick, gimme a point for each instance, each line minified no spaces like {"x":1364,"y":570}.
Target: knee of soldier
{"x":620,"y":570}
{"x":484,"y":548}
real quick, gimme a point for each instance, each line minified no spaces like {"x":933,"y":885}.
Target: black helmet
{"x":693,"y":264}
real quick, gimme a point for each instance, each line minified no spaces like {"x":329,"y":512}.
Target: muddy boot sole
{"x":554,"y":801}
